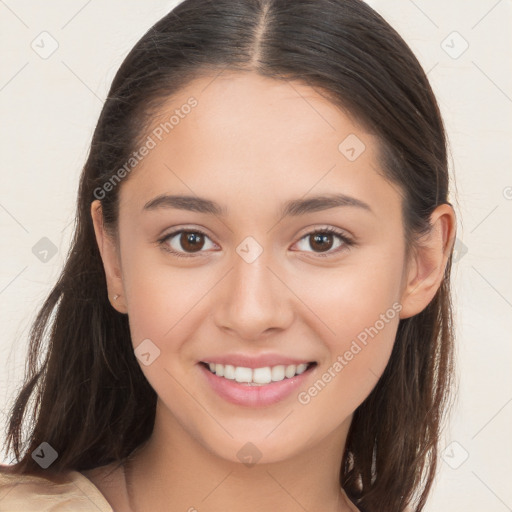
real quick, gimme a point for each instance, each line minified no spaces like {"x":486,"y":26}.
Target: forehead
{"x":261,"y":138}
{"x":244,"y":107}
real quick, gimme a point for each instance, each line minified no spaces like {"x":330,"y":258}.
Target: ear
{"x":110,"y":257}
{"x":427,"y":264}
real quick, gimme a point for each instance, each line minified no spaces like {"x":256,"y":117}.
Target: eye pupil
{"x":324,"y":241}
{"x":191,"y":241}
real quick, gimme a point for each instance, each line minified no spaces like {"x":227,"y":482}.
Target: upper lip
{"x":259,"y":361}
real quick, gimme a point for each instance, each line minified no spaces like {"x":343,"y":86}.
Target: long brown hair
{"x":85,"y":392}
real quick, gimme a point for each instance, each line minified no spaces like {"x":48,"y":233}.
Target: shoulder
{"x":69,"y":491}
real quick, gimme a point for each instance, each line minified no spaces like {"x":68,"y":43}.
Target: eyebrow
{"x":293,"y":208}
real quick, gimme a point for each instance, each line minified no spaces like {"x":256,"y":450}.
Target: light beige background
{"x":48,"y":110}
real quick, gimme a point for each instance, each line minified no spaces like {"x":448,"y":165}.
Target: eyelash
{"x":329,"y":230}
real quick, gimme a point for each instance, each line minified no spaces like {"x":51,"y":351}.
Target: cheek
{"x":148,"y":306}
{"x":360,"y":305}
{"x":158,"y":295}
{"x":343,"y":384}
{"x":167,"y":305}
{"x":352,"y":297}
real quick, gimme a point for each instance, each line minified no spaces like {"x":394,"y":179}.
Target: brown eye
{"x":191,"y":241}
{"x":186,"y":242}
{"x":321,"y":241}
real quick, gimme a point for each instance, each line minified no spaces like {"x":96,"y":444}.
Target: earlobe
{"x":428,"y":262}
{"x":110,"y":257}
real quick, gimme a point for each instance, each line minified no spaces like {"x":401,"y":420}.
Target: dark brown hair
{"x":84,"y":389}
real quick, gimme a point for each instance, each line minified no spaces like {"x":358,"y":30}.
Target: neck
{"x":174,"y":468}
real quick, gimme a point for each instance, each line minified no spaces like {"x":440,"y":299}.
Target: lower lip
{"x":254,"y":396}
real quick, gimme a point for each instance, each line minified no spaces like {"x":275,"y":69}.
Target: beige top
{"x":72,"y":492}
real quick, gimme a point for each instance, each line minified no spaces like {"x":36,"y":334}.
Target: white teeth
{"x":243,"y":374}
{"x":262,"y":375}
{"x":290,"y":371}
{"x":257,"y":376}
{"x":278,"y":373}
{"x":229,"y":372}
{"x":301,"y":368}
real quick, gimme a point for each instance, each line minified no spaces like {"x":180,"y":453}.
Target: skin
{"x":251,"y":144}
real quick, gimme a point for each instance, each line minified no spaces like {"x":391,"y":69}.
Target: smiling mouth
{"x":257,"y":376}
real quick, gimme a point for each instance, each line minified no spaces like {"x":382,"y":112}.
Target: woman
{"x":255,"y":310}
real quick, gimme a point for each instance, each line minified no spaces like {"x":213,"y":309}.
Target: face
{"x":258,"y":275}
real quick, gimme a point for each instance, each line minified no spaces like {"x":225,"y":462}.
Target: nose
{"x":254,"y":300}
